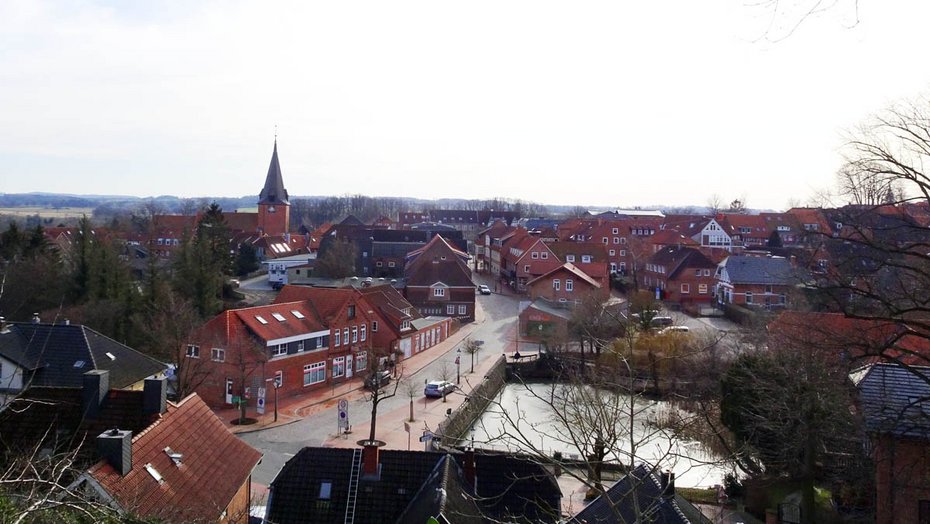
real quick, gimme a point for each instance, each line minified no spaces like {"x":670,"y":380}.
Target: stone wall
{"x":452,"y":430}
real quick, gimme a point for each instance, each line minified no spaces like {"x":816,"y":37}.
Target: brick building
{"x":439,"y":281}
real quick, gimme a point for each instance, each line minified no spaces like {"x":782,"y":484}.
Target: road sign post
{"x":342,"y":422}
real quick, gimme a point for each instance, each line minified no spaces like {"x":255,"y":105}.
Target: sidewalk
{"x":293,"y":409}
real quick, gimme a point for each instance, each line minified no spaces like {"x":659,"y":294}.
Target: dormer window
{"x":439,"y":292}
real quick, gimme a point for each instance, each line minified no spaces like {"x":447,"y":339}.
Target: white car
{"x":674,"y":329}
{"x":484,"y":290}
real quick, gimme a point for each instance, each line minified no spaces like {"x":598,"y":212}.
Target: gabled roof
{"x":325,"y":302}
{"x":895,"y":399}
{"x":676,"y":258}
{"x":509,"y":487}
{"x":444,"y":496}
{"x":637,"y":495}
{"x":60,"y":354}
{"x":760,"y":270}
{"x":597,"y":250}
{"x":438,"y":262}
{"x":213,"y":465}
{"x":235,"y":221}
{"x":273,"y":192}
{"x":572,"y":270}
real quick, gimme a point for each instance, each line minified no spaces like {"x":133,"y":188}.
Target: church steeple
{"x":274,"y":193}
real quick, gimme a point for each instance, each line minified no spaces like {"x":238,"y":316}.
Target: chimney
{"x":371,"y":469}
{"x":667,"y":478}
{"x":154,"y":394}
{"x":35,"y":318}
{"x":96,"y":386}
{"x":469,"y":470}
{"x":115,"y":446}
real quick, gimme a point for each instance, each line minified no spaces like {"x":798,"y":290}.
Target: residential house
{"x":439,"y":281}
{"x":894,"y":401}
{"x":643,"y":495}
{"x":525,"y":258}
{"x":785,"y":225}
{"x":376,"y":249}
{"x":814,"y":224}
{"x":324,"y":485}
{"x":681,"y":275}
{"x":756,"y":281}
{"x":709,"y":232}
{"x":483,"y":240}
{"x":292,"y":346}
{"x":36,"y":354}
{"x":565,"y":283}
{"x":749,"y":231}
{"x":590,"y":257}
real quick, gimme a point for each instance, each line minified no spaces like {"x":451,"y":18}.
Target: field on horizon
{"x":47,"y":212}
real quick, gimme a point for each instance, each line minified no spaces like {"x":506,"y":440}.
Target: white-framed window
{"x":697,"y":272}
{"x":534,"y":255}
{"x":379,"y":264}
{"x":569,"y":285}
{"x":364,"y":333}
{"x":405,"y":324}
{"x":526,"y":268}
{"x":450,"y":309}
{"x":556,"y":284}
{"x":345,"y":336}
{"x":337,"y":338}
{"x":749,"y":298}
{"x":544,"y":255}
{"x":615,"y":231}
{"x":623,"y":240}
{"x":374,"y":326}
{"x":361,"y":361}
{"x":320,"y":341}
{"x":569,"y":258}
{"x":339,"y":367}
{"x":605,"y":240}
{"x":463,"y":309}
{"x":685,"y":288}
{"x":439,"y":292}
{"x":391,"y":263}
{"x":218,"y":355}
{"x":706,"y":272}
{"x":193,"y":351}
{"x":622,"y":252}
{"x":616,"y":240}
{"x":586,"y":259}
{"x":702,"y":289}
{"x":314,"y":373}
{"x":768,"y":289}
{"x":612,"y":252}
{"x":300,"y":345}
{"x":278,"y":378}
{"x":355,"y":334}
{"x":278,"y":350}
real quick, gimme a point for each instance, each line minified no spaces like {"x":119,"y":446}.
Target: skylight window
{"x":174,"y":456}
{"x":154,"y":473}
{"x":297,"y":314}
{"x":260,"y":319}
{"x":79,"y":364}
{"x":326,"y":489}
{"x":111,"y":356}
{"x":278,"y":316}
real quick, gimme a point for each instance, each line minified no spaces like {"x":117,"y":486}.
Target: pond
{"x":549,"y":418}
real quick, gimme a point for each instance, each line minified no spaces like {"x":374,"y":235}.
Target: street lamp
{"x":458,"y":366}
{"x":274,"y":382}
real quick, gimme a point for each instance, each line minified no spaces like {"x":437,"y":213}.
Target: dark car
{"x":378,"y":379}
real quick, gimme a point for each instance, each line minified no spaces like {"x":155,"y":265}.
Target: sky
{"x":601,"y":104}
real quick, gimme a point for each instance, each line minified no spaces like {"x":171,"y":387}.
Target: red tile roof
{"x":571,"y":269}
{"x":214,"y":465}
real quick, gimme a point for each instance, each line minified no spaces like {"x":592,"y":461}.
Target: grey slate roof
{"x":641,"y":487}
{"x":895,"y":399}
{"x":58,"y":355}
{"x":273,"y":192}
{"x":760,"y":270}
{"x":510,"y":488}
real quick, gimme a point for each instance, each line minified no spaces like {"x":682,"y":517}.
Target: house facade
{"x":680,"y":275}
{"x":755,"y":281}
{"x":565,"y":283}
{"x":439,"y":281}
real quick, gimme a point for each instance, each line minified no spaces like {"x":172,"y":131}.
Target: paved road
{"x":280,"y":443}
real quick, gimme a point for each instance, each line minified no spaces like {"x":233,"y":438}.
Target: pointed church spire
{"x":274,"y":193}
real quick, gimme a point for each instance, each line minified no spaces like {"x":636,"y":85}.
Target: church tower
{"x":274,"y":209}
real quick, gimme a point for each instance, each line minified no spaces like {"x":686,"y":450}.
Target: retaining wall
{"x":453,"y":428}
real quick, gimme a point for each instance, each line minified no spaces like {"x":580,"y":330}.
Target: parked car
{"x":438,"y":388}
{"x":378,"y":379}
{"x":484,"y":290}
{"x":674,"y":329}
{"x":661,"y":321}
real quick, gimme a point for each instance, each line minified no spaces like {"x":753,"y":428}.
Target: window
{"x":364,"y":333}
{"x":297,"y":314}
{"x":616,"y":240}
{"x":439,"y":292}
{"x":612,"y":252}
{"x":300,"y":345}
{"x":355,"y":334}
{"x":569,"y":285}
{"x":685,"y":288}
{"x":391,"y":263}
{"x":278,"y":379}
{"x":280,"y":349}
{"x":534,"y":255}
{"x":260,"y":319}
{"x":218,"y":355}
{"x":706,"y":272}
{"x":361,"y":361}
{"x":586,"y":259}
{"x":615,"y":231}
{"x":314,"y":373}
{"x":526,"y":268}
{"x":405,"y":324}
{"x":278,"y":316}
{"x":450,"y":309}
{"x":339,"y":367}
{"x":702,"y":289}
{"x":768,"y":289}
{"x":569,"y":258}
{"x":326,"y":490}
{"x":379,"y":264}
{"x":345,"y":336}
{"x":193,"y":351}
{"x":605,"y":240}
{"x":622,"y":252}
{"x":463,"y":309}
{"x":374,"y":326}
{"x":350,"y":314}
{"x":623,"y":240}
{"x":544,"y":255}
{"x":556,"y":284}
{"x":749,"y":298}
{"x":320,"y":341}
{"x":338,"y":338}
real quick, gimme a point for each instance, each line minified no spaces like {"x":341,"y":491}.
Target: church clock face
{"x":271,"y":209}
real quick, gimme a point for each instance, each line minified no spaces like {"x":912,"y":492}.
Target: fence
{"x":454,"y":427}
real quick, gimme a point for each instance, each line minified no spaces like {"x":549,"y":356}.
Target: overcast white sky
{"x":593,"y":103}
